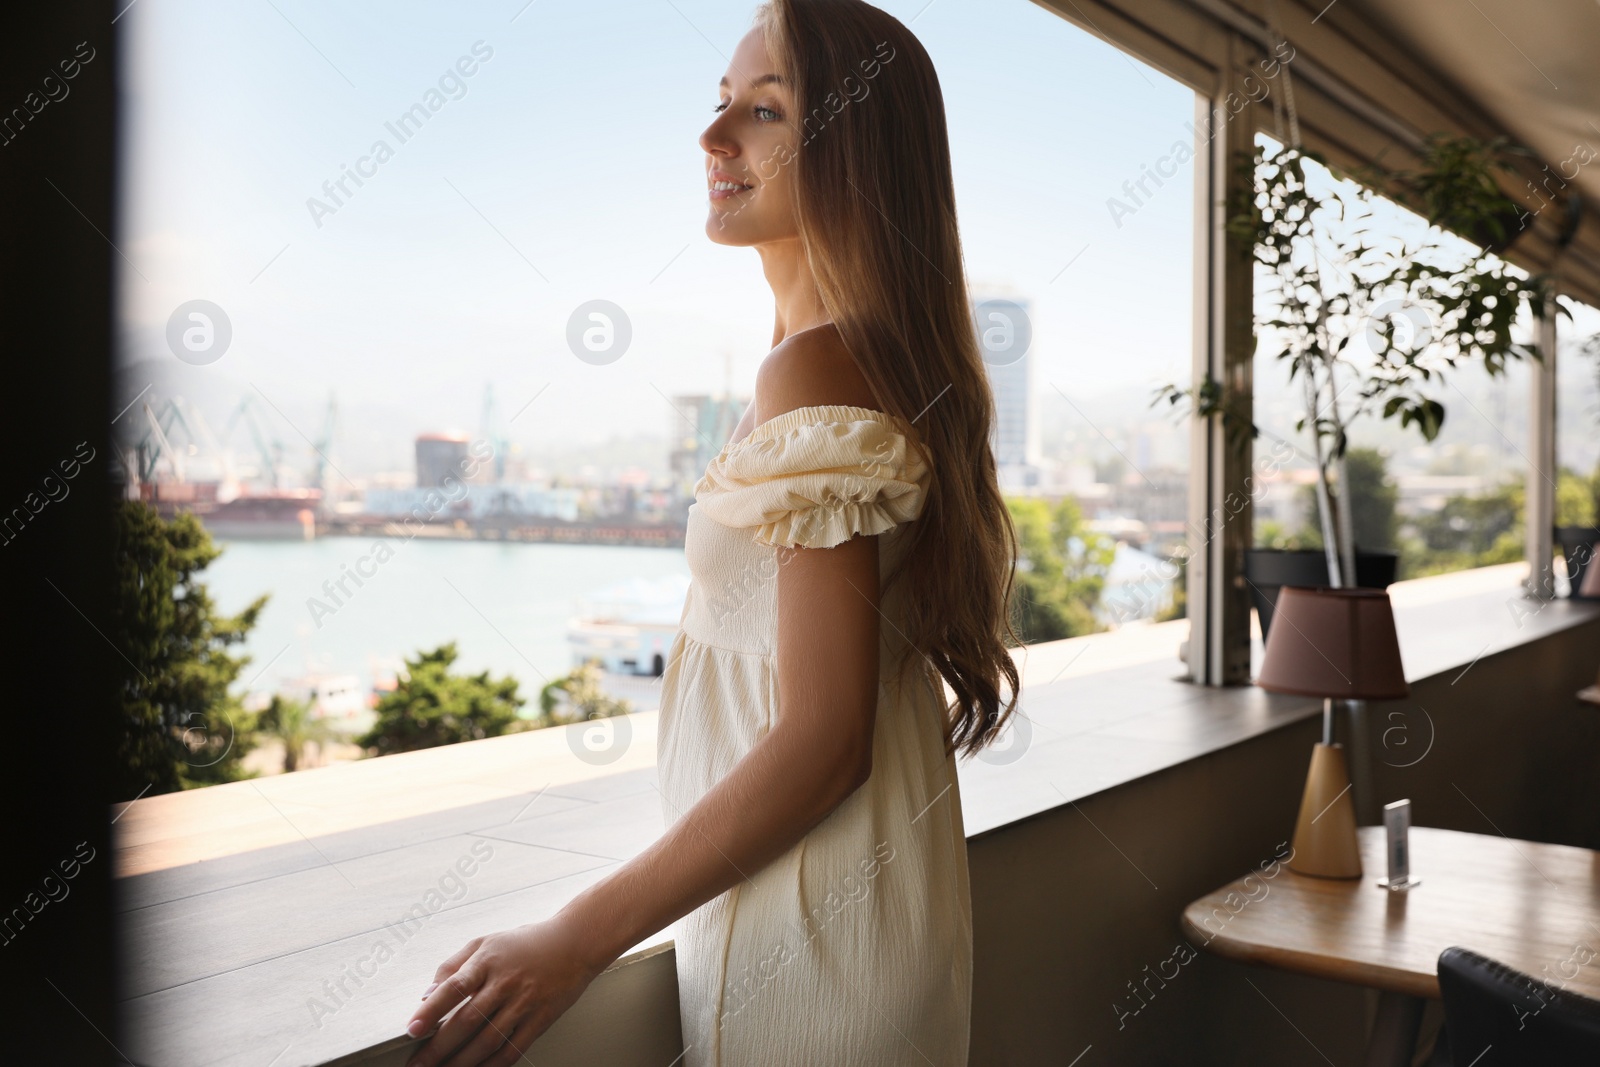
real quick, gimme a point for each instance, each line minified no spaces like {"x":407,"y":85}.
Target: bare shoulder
{"x":810,"y":369}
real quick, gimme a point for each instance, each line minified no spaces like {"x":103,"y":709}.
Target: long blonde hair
{"x":877,"y":217}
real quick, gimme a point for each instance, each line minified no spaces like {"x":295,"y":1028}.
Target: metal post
{"x":1542,"y":469}
{"x":1363,"y":769}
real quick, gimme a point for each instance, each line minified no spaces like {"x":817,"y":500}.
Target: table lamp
{"x":1337,"y":644}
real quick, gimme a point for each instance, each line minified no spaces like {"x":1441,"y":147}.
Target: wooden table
{"x":1528,"y":905}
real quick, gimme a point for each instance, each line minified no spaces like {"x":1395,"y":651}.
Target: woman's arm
{"x":815,"y":756}
{"x":817,"y":753}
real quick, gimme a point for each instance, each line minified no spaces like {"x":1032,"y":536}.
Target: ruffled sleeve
{"x":816,"y":477}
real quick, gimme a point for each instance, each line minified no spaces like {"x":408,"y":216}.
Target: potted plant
{"x":1370,"y":325}
{"x":1299,"y":558}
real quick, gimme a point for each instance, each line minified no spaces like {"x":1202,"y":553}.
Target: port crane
{"x":156,"y":445}
{"x":322,"y":448}
{"x":160,"y":442}
{"x":269,"y":450}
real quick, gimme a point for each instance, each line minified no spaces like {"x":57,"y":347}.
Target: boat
{"x":629,"y":627}
{"x":278,"y":515}
{"x":336,"y":699}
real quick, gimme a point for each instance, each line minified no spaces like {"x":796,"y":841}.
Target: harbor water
{"x":357,"y":606}
{"x":349,"y":606}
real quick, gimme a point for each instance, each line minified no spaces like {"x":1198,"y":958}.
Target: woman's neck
{"x":797,"y":304}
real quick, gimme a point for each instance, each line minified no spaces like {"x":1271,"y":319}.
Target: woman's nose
{"x":714,"y":142}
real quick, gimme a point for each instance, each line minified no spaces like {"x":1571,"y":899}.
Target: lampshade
{"x":1337,"y":643}
{"x":1591,"y":579}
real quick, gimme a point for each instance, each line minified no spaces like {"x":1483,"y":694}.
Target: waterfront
{"x":506,"y":605}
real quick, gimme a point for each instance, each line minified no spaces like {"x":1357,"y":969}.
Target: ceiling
{"x":1386,"y":75}
{"x":1532,"y":66}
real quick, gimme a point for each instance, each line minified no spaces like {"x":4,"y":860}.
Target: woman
{"x":851,"y":557}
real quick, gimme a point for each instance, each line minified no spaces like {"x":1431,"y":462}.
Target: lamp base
{"x":1325,"y":841}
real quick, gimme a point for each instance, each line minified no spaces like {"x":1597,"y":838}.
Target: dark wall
{"x":1063,"y":921}
{"x":1514,"y":748}
{"x":55,"y":307}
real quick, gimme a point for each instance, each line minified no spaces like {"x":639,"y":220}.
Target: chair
{"x":1497,"y":1017}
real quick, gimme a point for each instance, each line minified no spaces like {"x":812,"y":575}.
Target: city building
{"x":700,"y":426}
{"x":441,"y":456}
{"x":1005,"y":336}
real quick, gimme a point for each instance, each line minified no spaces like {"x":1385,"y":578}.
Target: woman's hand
{"x":518,"y":981}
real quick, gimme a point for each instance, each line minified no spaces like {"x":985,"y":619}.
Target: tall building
{"x":440,"y":455}
{"x":700,"y":426}
{"x":1005,"y":337}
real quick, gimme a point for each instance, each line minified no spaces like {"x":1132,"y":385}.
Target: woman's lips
{"x":725,"y":188}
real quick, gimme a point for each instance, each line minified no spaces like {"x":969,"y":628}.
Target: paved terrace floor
{"x":252,"y":913}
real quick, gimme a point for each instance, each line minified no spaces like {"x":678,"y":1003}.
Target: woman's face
{"x":750,"y":151}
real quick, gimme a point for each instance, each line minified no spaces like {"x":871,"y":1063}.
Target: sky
{"x":566,"y":169}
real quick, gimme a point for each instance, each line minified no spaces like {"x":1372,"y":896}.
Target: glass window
{"x":1084,"y":233}
{"x":419,"y":317}
{"x":1418,"y":506}
{"x":1577,"y":438}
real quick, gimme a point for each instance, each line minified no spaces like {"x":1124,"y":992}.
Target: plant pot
{"x":1493,"y":238}
{"x":1578,"y":545}
{"x":1270,"y":569}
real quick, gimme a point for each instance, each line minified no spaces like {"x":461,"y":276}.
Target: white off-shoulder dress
{"x":855,"y":946}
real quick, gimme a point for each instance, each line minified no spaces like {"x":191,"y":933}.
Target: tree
{"x":1468,"y":531}
{"x":431,"y":706}
{"x":1373,"y":502}
{"x":181,"y":727}
{"x":291,"y":723}
{"x":1577,"y":498}
{"x":1480,"y":531}
{"x":1373,"y":498}
{"x":1061,"y":570}
{"x":583,"y":696}
{"x":1179,"y":608}
{"x":1273,"y":534}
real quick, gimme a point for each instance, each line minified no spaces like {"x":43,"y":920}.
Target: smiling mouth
{"x":722,"y":190}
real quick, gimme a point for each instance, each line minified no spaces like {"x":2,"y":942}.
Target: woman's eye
{"x":766,"y":114}
{"x":720,"y":108}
